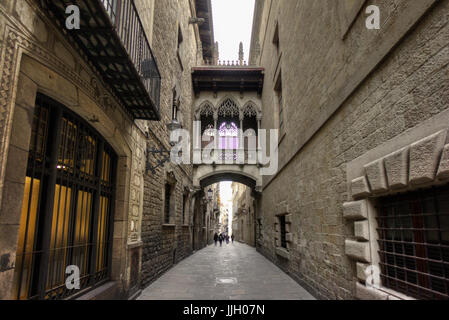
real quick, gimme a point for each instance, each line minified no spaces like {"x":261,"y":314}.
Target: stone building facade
{"x":50,"y":81}
{"x":362,"y":116}
{"x":37,"y":59}
{"x":177,"y":46}
{"x":243,"y":214}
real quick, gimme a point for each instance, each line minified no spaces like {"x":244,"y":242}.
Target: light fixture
{"x":210,"y":194}
{"x":198,"y":21}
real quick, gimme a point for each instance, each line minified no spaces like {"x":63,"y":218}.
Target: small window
{"x":180,"y":38}
{"x":184,"y":208}
{"x":280,"y":103}
{"x":414,"y":243}
{"x":276,"y":37}
{"x":179,"y":46}
{"x":283,"y":232}
{"x":167,"y":208}
{"x":175,"y":106}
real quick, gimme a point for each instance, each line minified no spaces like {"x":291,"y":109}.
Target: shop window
{"x":66,"y":210}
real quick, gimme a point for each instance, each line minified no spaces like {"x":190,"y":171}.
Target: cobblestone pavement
{"x":232,"y":272}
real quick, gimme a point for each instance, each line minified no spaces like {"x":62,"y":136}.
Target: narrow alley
{"x":136,"y":133}
{"x":232,"y":272}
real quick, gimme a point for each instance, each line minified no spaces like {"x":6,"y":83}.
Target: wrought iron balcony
{"x":112,"y":36}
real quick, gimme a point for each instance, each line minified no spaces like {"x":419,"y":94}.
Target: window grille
{"x":67,"y":205}
{"x":282,"y":224}
{"x":167,"y":202}
{"x":414,"y":243}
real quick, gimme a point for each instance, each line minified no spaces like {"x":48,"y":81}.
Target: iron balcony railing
{"x":112,"y":36}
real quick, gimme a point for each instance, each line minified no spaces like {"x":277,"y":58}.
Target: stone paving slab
{"x":232,"y":272}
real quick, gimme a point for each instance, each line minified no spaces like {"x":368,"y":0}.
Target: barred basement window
{"x":184,"y":208}
{"x":167,"y":208}
{"x":67,"y":205}
{"x":283,"y":227}
{"x":414,"y":243}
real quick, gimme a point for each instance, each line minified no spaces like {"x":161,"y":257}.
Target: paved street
{"x":232,"y":272}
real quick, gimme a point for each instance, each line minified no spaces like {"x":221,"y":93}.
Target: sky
{"x":233,"y":22}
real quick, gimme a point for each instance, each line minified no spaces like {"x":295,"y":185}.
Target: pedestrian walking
{"x":216,"y":238}
{"x":232,"y":237}
{"x":220,"y":238}
{"x":227,"y":239}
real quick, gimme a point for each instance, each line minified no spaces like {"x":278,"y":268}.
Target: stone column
{"x":241,"y":148}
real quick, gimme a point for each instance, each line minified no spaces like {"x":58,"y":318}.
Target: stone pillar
{"x":241,"y":148}
{"x":216,"y":137}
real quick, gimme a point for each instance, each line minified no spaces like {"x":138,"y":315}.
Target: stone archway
{"x":249,"y":175}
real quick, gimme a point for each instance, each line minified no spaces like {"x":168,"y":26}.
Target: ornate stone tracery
{"x":207,"y":110}
{"x":228,"y":109}
{"x":250,"y":111}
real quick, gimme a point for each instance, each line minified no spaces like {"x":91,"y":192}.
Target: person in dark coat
{"x":232,"y":237}
{"x":220,"y":238}
{"x":216,"y":238}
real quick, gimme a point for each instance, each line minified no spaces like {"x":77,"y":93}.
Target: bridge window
{"x":229,"y":139}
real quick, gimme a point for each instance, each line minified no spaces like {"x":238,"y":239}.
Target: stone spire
{"x":241,"y":53}
{"x":216,"y":55}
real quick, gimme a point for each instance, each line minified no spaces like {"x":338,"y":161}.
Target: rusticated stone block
{"x":396,"y":166}
{"x":443,"y":170}
{"x":289,"y":237}
{"x":375,"y":172}
{"x":360,"y":188}
{"x":288,"y":218}
{"x":366,"y":293}
{"x":361,"y":230}
{"x":283,"y":253}
{"x":356,"y":210}
{"x":358,"y":251}
{"x":361,"y":270}
{"x":277,"y":242}
{"x":425,"y":156}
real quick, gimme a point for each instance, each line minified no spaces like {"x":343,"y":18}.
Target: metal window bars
{"x":67,"y":206}
{"x":413,"y":241}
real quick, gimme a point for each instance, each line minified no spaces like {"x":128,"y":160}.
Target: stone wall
{"x":243,"y":215}
{"x":166,"y":244}
{"x":37,"y":57}
{"x":345,"y":92}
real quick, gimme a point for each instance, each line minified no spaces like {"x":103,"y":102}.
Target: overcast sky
{"x":233,"y":21}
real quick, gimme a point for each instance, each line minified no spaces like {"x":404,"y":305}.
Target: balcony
{"x":112,"y":37}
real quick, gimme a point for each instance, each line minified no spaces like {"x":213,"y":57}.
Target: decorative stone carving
{"x":424,"y":157}
{"x":356,"y":210}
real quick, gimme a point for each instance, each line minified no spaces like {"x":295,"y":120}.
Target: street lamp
{"x":210,"y":194}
